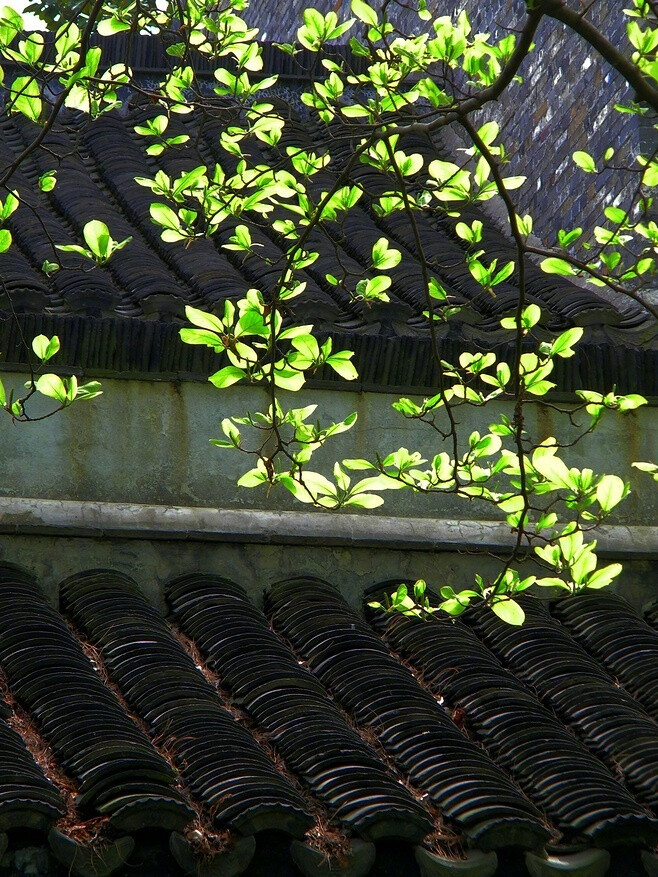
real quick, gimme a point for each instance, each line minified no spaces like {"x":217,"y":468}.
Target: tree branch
{"x":645,"y":92}
{"x":59,"y":103}
{"x":491,"y":92}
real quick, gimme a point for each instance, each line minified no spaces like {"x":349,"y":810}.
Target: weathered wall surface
{"x":147,"y":442}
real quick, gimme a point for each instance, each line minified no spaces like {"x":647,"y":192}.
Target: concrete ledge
{"x":106,"y":520}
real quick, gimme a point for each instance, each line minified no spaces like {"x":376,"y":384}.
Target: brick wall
{"x":564,"y":104}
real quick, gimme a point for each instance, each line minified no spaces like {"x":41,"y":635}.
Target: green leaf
{"x":557,"y":266}
{"x":631,"y":402}
{"x":163,"y":215}
{"x":616,"y":214}
{"x":97,"y":237}
{"x":204,"y":320}
{"x":189,"y":180}
{"x":89,"y":390}
{"x":48,"y":181}
{"x":378,"y":482}
{"x":49,"y":268}
{"x":385,"y":257}
{"x":240,"y":241}
{"x":524,"y":224}
{"x":419,"y":589}
{"x":340,"y":363}
{"x":585,"y":161}
{"x":45,"y":347}
{"x":552,"y":582}
{"x":253,"y":478}
{"x":68,"y":37}
{"x":601,"y":578}
{"x":563,"y":344}
{"x":453,"y":606}
{"x":201,"y":336}
{"x":111,"y":26}
{"x":11,"y":22}
{"x":565,"y":238}
{"x":553,"y":469}
{"x":74,"y":248}
{"x":365,"y":501}
{"x":5,"y":240}
{"x":436,"y":290}
{"x":488,"y":132}
{"x":539,"y":388}
{"x":52,"y":386}
{"x":307,"y":346}
{"x":514,"y":182}
{"x":508,"y":610}
{"x":651,"y":468}
{"x":610,"y":491}
{"x":512,"y":504}
{"x":226,"y":376}
{"x":530,"y":316}
{"x":374,"y":288}
{"x":289,"y":379}
{"x":10,"y":206}
{"x":364,"y":12}
{"x":26,"y":97}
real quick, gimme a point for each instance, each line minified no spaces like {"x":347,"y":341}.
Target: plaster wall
{"x":148,"y":442}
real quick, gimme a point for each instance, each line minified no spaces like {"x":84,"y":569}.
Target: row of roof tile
{"x":503,"y":737}
{"x":97,"y":166}
{"x":121,"y":318}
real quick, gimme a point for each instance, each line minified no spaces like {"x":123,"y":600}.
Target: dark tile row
{"x":220,"y":762}
{"x":37,"y":227}
{"x":606,"y":718}
{"x":472,"y":792}
{"x":78,"y":198}
{"x":265,"y":678}
{"x":575,"y":790}
{"x":96,"y":179}
{"x":98,"y":744}
{"x":651,"y":615}
{"x":27,"y":798}
{"x":609,"y":629}
{"x":117,"y":770}
{"x":444,"y":255}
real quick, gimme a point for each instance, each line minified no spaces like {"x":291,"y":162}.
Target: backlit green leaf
{"x":52,"y":386}
{"x":508,"y":610}
{"x":610,"y":491}
{"x":226,"y":376}
{"x":554,"y":265}
{"x":364,"y":12}
{"x":584,"y":161}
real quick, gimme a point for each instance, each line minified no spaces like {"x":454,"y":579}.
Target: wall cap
{"x":108,"y":520}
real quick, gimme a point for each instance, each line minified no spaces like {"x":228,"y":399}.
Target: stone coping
{"x":31,"y":515}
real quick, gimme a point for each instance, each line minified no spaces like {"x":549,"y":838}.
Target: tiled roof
{"x":123,"y":318}
{"x":221,"y":724}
